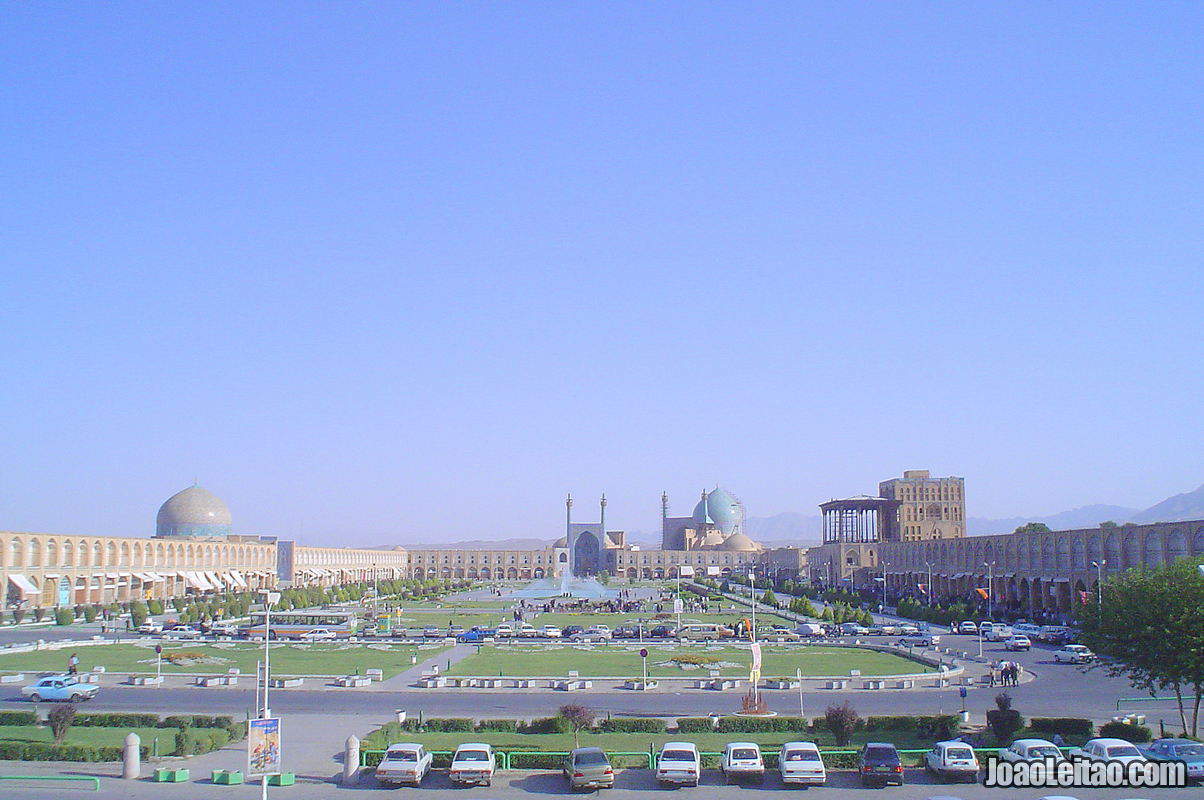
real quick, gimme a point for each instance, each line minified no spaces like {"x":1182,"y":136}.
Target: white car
{"x":473,"y":764}
{"x":953,"y":760}
{"x":919,"y":640}
{"x":317,"y":635}
{"x":1074,"y":654}
{"x":150,"y":627}
{"x":678,"y":764}
{"x":742,"y":761}
{"x":550,"y":632}
{"x":800,"y":762}
{"x":527,"y":631}
{"x":183,"y":632}
{"x":598,"y":633}
{"x":224,"y":629}
{"x":1104,"y":749}
{"x":404,"y":763}
{"x":505,"y":629}
{"x":853,"y":629}
{"x":908,"y":630}
{"x":968,"y":627}
{"x":65,"y":688}
{"x":1031,"y":750}
{"x":998,"y":633}
{"x":1017,"y":642}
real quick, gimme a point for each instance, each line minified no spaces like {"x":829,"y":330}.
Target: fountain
{"x":567,"y":586}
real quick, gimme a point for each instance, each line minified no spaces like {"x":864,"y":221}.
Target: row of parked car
{"x":799,"y":763}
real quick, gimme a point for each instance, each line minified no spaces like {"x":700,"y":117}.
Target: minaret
{"x":568,"y":539}
{"x":602,"y":522}
{"x":664,"y":517}
{"x":568,"y":515}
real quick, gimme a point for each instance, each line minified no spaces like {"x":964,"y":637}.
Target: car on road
{"x":183,"y":632}
{"x":998,"y":633}
{"x":1027,"y":629}
{"x":800,"y":762}
{"x":1190,"y":753}
{"x":1108,"y":749}
{"x":1031,"y":750}
{"x":879,"y":763}
{"x":224,"y":629}
{"x":317,"y":635}
{"x":908,"y":630}
{"x":476,"y":636}
{"x":64,"y":688}
{"x":550,"y":632}
{"x":664,"y":632}
{"x":678,"y":764}
{"x":433,"y":633}
{"x":953,"y":761}
{"x":780,"y":633}
{"x":742,"y":762}
{"x":1054,"y":634}
{"x":568,"y":630}
{"x":473,"y":764}
{"x":527,"y":631}
{"x":150,"y":628}
{"x":811,"y":630}
{"x":404,"y":763}
{"x":1074,"y":654}
{"x":591,"y":635}
{"x":506,"y":629}
{"x":967,"y":628}
{"x":853,"y":629}
{"x":1017,"y":642}
{"x":919,"y":640}
{"x":588,"y":768}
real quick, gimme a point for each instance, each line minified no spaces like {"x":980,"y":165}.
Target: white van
{"x":810,"y":630}
{"x":703,"y":631}
{"x":800,"y":762}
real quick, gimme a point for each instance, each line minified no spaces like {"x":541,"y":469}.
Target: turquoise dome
{"x":722,"y":509}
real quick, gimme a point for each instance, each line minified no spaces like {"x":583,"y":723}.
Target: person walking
{"x":73,"y":665}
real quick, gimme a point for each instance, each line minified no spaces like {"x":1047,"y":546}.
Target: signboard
{"x":678,"y":606}
{"x":756,"y":656}
{"x":64,"y":592}
{"x":263,"y":747}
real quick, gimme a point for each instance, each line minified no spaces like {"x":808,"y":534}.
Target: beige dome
{"x":560,"y":543}
{"x":738,"y":541}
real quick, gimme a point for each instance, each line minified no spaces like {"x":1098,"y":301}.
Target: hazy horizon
{"x":411,"y":273}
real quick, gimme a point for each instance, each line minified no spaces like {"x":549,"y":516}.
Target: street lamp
{"x":269,"y":599}
{"x":929,"y":565}
{"x":752,"y":585}
{"x":990,"y":589}
{"x":883,"y":611}
{"x":1099,"y":582}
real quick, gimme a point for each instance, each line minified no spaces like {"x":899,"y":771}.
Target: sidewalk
{"x":406,"y":679}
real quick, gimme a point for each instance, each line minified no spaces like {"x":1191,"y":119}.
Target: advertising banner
{"x":263,"y":747}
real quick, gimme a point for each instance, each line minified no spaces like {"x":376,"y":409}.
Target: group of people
{"x":1004,"y":673}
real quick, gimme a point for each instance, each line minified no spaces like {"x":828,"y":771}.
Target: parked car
{"x":317,"y":635}
{"x":594,"y":634}
{"x":952,"y":760}
{"x":811,"y":630}
{"x":1031,"y":750}
{"x":1074,"y":654}
{"x":433,"y":633}
{"x":404,"y":764}
{"x":1026,"y":629}
{"x":919,"y":640}
{"x":183,"y":632}
{"x":588,"y":768}
{"x":853,"y":629}
{"x":150,"y":627}
{"x":664,"y":632}
{"x":879,"y":762}
{"x":526,"y":630}
{"x":476,"y":636}
{"x":967,"y":628}
{"x":800,"y":762}
{"x":567,"y":631}
{"x":742,"y":761}
{"x":908,"y":630}
{"x":473,"y":764}
{"x":1053,"y":634}
{"x":1017,"y":642}
{"x":1184,"y":750}
{"x":678,"y":764}
{"x":1108,"y":749}
{"x":504,"y":630}
{"x":550,"y":632}
{"x":65,"y":688}
{"x":224,"y":629}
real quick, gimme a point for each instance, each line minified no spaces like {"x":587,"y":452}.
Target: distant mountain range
{"x":794,"y":529}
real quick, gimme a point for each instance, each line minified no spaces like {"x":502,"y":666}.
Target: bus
{"x":296,"y":624}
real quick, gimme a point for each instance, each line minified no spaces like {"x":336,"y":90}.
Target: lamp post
{"x":883,"y":611}
{"x":269,"y":599}
{"x":1099,"y":583}
{"x":990,"y":589}
{"x":929,"y":565}
{"x":752,"y":585}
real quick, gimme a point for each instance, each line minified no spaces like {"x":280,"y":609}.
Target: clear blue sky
{"x":387,"y":272}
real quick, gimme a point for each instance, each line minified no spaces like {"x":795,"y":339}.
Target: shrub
{"x":60,"y":721}
{"x":18,"y":718}
{"x":629,"y":725}
{"x":39,"y":614}
{"x":1066,"y":726}
{"x":499,"y":725}
{"x":450,"y":725}
{"x":176,"y":721}
{"x":1003,"y":701}
{"x":63,"y":617}
{"x":546,"y":725}
{"x":112,"y":720}
{"x":761,"y":724}
{"x":579,"y":718}
{"x":937,"y":728}
{"x":841,"y":721}
{"x":899,"y":723}
{"x":1123,"y":730}
{"x":90,"y":613}
{"x":18,"y":615}
{"x":1004,"y":723}
{"x":694,"y":725}
{"x":154,"y":606}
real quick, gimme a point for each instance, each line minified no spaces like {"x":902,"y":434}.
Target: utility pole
{"x":1099,"y":584}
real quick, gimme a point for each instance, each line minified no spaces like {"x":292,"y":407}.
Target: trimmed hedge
{"x":1066,"y":726}
{"x":694,"y":725}
{"x":546,"y":725}
{"x":106,"y":720}
{"x":1123,"y":730}
{"x":629,"y":725}
{"x":449,"y":725}
{"x":18,"y":718}
{"x":499,"y":725}
{"x":44,"y":751}
{"x":761,"y":724}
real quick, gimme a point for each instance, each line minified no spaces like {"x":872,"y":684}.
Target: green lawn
{"x":287,"y":658}
{"x":86,"y":735}
{"x":611,"y":660}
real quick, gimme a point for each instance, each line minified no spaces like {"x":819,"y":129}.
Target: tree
{"x":138,"y":613}
{"x":1150,"y":628}
{"x":769,"y":599}
{"x":578,"y":716}
{"x":63,"y":617}
{"x":1033,"y":527}
{"x":1003,"y":720}
{"x":841,"y":720}
{"x":1108,"y":524}
{"x":61,"y":719}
